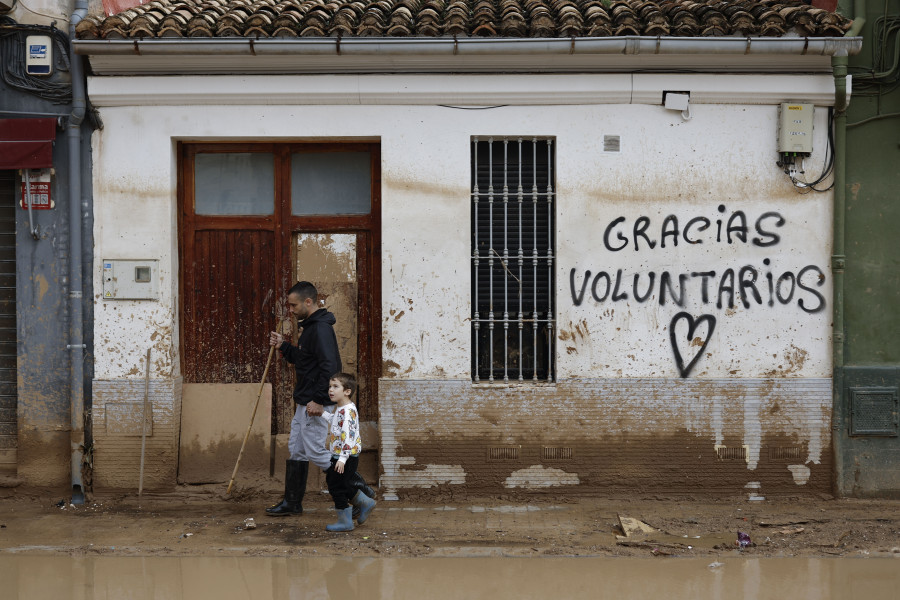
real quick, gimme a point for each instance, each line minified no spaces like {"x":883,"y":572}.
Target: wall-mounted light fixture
{"x":678,"y":101}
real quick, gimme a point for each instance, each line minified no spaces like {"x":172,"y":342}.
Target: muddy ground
{"x":201,"y":520}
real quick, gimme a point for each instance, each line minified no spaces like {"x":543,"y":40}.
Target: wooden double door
{"x":255,"y":219}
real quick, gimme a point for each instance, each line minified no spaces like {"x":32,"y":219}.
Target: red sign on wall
{"x":40,"y":196}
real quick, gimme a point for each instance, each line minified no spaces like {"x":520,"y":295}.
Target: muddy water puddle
{"x":495,"y":578}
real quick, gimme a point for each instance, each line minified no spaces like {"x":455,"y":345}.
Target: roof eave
{"x":373,"y":55}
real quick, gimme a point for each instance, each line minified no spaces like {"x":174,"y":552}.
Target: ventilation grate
{"x":611,"y":143}
{"x":785,"y":453}
{"x":556,"y":453}
{"x":503,"y":453}
{"x":873,"y":411}
{"x":731,"y":452}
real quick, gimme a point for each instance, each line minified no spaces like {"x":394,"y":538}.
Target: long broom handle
{"x":252,"y":417}
{"x":144,"y":424}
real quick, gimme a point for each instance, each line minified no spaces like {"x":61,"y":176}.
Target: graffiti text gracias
{"x":745,"y":284}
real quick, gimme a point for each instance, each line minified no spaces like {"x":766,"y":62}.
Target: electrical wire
{"x":12,"y":66}
{"x":875,"y":118}
{"x":827,"y":168}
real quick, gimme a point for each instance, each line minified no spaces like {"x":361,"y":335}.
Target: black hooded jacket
{"x":315,"y":358}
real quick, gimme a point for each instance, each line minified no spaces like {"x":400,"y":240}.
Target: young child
{"x":344,"y":443}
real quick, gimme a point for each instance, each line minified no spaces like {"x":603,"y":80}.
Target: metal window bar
{"x":534,"y":256}
{"x":491,"y":251}
{"x":520,"y":256}
{"x":549,"y":248}
{"x":505,"y":263}
{"x":519,"y":352}
{"x":476,"y":318}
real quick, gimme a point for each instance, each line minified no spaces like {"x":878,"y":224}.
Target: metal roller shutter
{"x":8,"y":392}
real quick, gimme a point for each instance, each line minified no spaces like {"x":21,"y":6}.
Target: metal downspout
{"x":838,"y":260}
{"x":839,"y":62}
{"x":76,"y":333}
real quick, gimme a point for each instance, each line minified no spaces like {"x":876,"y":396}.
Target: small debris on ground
{"x":790,"y":530}
{"x":781,"y":523}
{"x":631,"y":527}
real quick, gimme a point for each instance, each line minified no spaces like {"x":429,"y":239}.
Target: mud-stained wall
{"x":693,"y":312}
{"x":136,"y":219}
{"x":42,"y":456}
{"x":729,"y":317}
{"x":118,"y":420}
{"x":728,"y":436}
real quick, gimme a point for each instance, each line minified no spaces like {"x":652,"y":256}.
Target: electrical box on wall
{"x":130,"y":279}
{"x":38,"y":55}
{"x":795,"y":128}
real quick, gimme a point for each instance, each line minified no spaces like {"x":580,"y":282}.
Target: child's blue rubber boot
{"x":345,"y":520}
{"x":365,"y":505}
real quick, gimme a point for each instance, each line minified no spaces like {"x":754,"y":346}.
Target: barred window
{"x":512,"y":259}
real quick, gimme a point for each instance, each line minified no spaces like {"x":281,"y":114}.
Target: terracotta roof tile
{"x":464,"y":18}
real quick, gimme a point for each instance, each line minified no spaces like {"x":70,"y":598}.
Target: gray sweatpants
{"x":307,"y":440}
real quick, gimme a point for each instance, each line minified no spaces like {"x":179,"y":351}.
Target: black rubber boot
{"x":295,"y":474}
{"x":358,"y":483}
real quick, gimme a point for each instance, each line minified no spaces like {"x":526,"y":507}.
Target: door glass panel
{"x":328,"y":260}
{"x":234,"y":184}
{"x":331,"y":183}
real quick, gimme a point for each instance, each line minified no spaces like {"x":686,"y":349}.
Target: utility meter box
{"x":38,"y":55}
{"x":795,"y":128}
{"x":130,"y":279}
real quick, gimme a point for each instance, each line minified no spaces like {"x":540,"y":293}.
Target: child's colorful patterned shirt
{"x":343,"y":434}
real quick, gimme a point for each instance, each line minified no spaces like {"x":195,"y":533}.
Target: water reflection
{"x":224,"y":578}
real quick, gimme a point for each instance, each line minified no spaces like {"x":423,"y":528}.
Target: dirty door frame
{"x":284,"y":226}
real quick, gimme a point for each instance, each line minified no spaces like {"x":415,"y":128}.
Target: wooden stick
{"x":144,"y":424}
{"x":253,"y":416}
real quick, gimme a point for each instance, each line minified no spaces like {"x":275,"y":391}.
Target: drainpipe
{"x":838,"y":259}
{"x":859,"y":18}
{"x":839,"y":62}
{"x":76,"y":333}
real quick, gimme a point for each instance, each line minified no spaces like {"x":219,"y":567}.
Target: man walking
{"x":315,"y":358}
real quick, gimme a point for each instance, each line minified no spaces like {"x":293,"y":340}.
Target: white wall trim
{"x":468,"y":90}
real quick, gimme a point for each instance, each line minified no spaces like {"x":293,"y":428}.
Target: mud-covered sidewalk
{"x":200,"y":520}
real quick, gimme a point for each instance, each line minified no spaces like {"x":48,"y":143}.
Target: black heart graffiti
{"x":692,"y":328}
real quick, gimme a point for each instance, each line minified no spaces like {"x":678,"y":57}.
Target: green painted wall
{"x":872,"y":286}
{"x":870,"y":378}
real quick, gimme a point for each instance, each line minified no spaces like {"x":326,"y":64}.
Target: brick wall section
{"x":715,"y":436}
{"x":117,"y":438}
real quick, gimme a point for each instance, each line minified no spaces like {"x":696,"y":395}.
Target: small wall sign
{"x":40,"y":196}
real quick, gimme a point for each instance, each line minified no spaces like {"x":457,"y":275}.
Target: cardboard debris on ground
{"x":634,"y":528}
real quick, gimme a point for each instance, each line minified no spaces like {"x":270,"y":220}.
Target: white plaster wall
{"x":725,"y":154}
{"x":45,"y":12}
{"x":42,"y":12}
{"x":135,"y":218}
